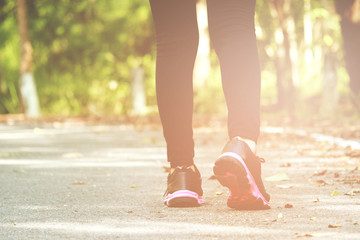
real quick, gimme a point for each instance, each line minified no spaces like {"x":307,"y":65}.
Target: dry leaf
{"x":133,"y":186}
{"x":350,"y":193}
{"x":316,"y":200}
{"x":335,"y":193}
{"x":355,"y":169}
{"x":278,"y":177}
{"x":288,"y":205}
{"x":320,"y":173}
{"x":78,"y":183}
{"x":219,"y":193}
{"x":334,"y":226}
{"x":353,"y":192}
{"x":321,"y":182}
{"x":303,"y":235}
{"x":353,"y":153}
{"x":285,"y":165}
{"x":313,"y":218}
{"x":149,"y":139}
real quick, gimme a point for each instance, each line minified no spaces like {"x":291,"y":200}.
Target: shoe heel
{"x":231,"y":175}
{"x":183,"y":198}
{"x":244,"y":193}
{"x":182,"y":202}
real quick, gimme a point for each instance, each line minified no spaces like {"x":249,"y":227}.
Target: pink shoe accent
{"x":184,"y":194}
{"x":242,"y":196}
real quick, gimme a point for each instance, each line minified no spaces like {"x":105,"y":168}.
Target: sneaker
{"x":184,"y":188}
{"x":239,"y":169}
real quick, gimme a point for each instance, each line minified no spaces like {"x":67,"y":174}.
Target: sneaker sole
{"x":183,"y":198}
{"x":232,"y":172}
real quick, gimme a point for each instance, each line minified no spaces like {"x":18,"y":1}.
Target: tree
{"x":349,"y":11}
{"x":284,"y":65}
{"x":28,"y":90}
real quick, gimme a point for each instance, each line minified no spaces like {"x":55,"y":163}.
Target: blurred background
{"x":97,"y":58}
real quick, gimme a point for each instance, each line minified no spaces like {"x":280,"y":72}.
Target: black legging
{"x":232,"y":33}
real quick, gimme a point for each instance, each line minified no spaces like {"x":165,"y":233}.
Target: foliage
{"x":84,"y":52}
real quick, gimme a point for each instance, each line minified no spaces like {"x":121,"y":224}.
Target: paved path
{"x":73,"y":180}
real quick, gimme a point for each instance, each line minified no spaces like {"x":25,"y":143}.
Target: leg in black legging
{"x":177,"y":41}
{"x":232,"y":32}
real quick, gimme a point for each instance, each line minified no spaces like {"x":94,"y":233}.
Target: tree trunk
{"x":349,"y":11}
{"x":138,"y":91}
{"x":329,"y":84}
{"x":308,"y":36}
{"x":27,"y":85}
{"x":329,"y":76}
{"x":284,"y":64}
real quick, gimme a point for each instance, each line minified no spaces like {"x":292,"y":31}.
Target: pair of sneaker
{"x":237,"y":168}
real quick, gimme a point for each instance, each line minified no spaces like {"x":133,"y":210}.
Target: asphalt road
{"x":72,"y":180}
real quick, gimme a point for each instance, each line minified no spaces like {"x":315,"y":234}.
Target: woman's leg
{"x":177,"y":41}
{"x":232,"y":32}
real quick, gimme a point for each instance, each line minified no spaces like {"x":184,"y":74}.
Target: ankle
{"x":192,"y":167}
{"x":250,"y":143}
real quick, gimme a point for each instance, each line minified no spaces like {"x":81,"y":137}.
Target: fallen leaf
{"x":353,"y":153}
{"x":78,"y":183}
{"x":334,"y":193}
{"x":133,"y":186}
{"x":303,"y":235}
{"x":280,"y":215}
{"x":353,"y":192}
{"x":320,"y":173}
{"x":316,"y":200}
{"x":278,"y":177}
{"x":285,"y":165}
{"x":356,"y":223}
{"x":288,"y":205}
{"x":15,"y":223}
{"x":219,"y":193}
{"x":129,"y":211}
{"x":285,"y":186}
{"x":334,"y":226}
{"x":313,"y":218}
{"x":321,"y":182}
{"x":149,"y":139}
